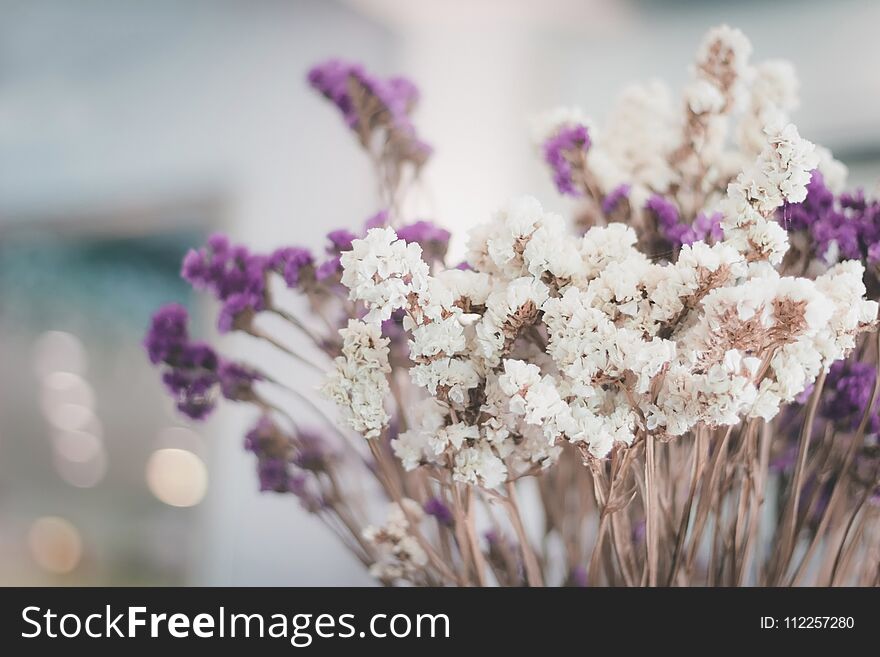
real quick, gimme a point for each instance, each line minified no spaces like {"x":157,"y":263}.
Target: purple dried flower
{"x":167,"y":334}
{"x":191,"y":373}
{"x":565,"y":148}
{"x":283,"y":469}
{"x":328,"y":269}
{"x":273,"y":475}
{"x":433,"y":239}
{"x":368,"y":102}
{"x":843,"y":227}
{"x":233,"y":275}
{"x":378,"y":220}
{"x":615,"y":198}
{"x":291,"y":262}
{"x":437,"y":508}
{"x":423,"y":232}
{"x":577,"y":577}
{"x":236,"y":312}
{"x":707,"y":228}
{"x":272,"y":449}
{"x":676,"y":231}
{"x":237,"y":381}
{"x":331,"y":79}
{"x":340,"y":240}
{"x":312,"y":453}
{"x":846,"y":395}
{"x":192,"y":391}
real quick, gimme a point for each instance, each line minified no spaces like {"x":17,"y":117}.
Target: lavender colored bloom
{"x":436,"y":508}
{"x":577,"y":577}
{"x":232,"y":274}
{"x":567,"y":146}
{"x":843,"y":227}
{"x":191,"y":367}
{"x":191,"y":391}
{"x":273,"y":474}
{"x":423,"y":232}
{"x":331,"y":79}
{"x":846,"y":395}
{"x":237,"y":381}
{"x":669,"y":224}
{"x":272,"y":448}
{"x":836,"y":237}
{"x":328,"y":269}
{"x":707,"y":228}
{"x":261,"y":435}
{"x":340,"y":240}
{"x":615,"y":198}
{"x":378,"y":220}
{"x":236,"y":312}
{"x":678,"y":232}
{"x":312,"y":453}
{"x":284,"y":464}
{"x":167,"y":334}
{"x":368,"y":102}
{"x":291,"y":262}
{"x":433,"y":239}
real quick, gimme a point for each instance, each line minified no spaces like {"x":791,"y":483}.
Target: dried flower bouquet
{"x":676,"y":388}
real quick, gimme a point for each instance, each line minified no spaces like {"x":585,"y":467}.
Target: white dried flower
{"x":359,"y":382}
{"x":383,"y":271}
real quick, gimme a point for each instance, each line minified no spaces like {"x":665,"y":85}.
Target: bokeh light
{"x":70,"y":417}
{"x":177,"y":477}
{"x":77,"y":446}
{"x":56,"y":351}
{"x":82,"y":474}
{"x":66,"y":388}
{"x":55,"y":544}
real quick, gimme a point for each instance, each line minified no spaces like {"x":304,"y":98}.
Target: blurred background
{"x":129,"y":130}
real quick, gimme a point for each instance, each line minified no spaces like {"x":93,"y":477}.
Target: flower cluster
{"x":705,"y":227}
{"x":849,"y":387}
{"x":564,"y":146}
{"x":780,"y":174}
{"x":547,"y":339}
{"x":287,"y":464}
{"x":836,"y":226}
{"x":359,"y":382}
{"x":192,"y":370}
{"x":236,"y":278}
{"x":714,"y":275}
{"x":399,"y":554}
{"x":370,"y":104}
